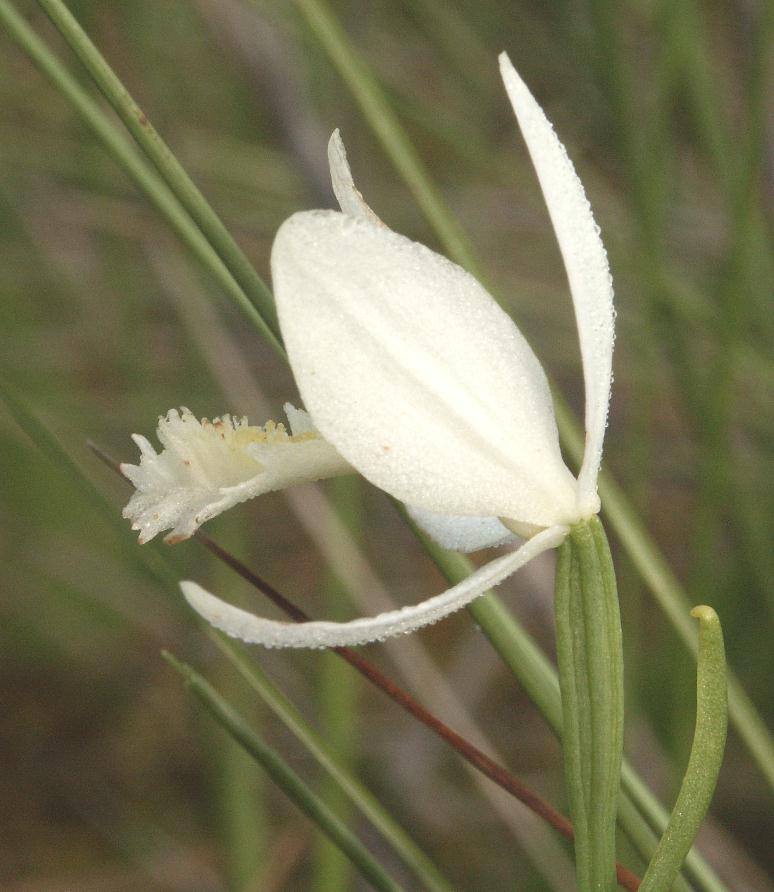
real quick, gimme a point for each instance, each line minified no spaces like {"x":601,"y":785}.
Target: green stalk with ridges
{"x":590,"y":656}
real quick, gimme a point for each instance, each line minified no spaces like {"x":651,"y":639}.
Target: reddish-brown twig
{"x":469,"y":752}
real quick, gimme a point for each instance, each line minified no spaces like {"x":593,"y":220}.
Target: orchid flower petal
{"x":461,"y":532}
{"x":253,"y":629}
{"x":587,"y":268}
{"x":453,"y":531}
{"x":209,"y":466}
{"x":349,"y":197}
{"x":414,"y":373}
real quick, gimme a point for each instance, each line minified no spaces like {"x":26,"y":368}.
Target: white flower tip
{"x":586,"y":263}
{"x":349,"y":197}
{"x":300,"y":421}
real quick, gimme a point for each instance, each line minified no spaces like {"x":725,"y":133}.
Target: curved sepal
{"x":255,"y":630}
{"x":587,"y":268}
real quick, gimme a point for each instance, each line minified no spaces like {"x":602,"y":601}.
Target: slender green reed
{"x":705,"y":760}
{"x":285,"y":777}
{"x":173,"y":173}
{"x":321,"y":751}
{"x":337,"y":695}
{"x":152,"y":186}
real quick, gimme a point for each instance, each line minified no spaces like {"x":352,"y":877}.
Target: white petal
{"x":415,"y":374}
{"x":587,"y":270}
{"x":250,"y":628}
{"x":207,"y":467}
{"x":461,"y":533}
{"x":300,"y":421}
{"x":348,"y":196}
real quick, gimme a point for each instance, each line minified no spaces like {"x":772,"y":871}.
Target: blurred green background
{"x":111,"y":778}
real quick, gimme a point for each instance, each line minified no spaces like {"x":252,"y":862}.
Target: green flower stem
{"x":590,"y":657}
{"x":286,"y":778}
{"x":639,"y":811}
{"x":424,"y":869}
{"x":705,"y":760}
{"x":172,"y":172}
{"x":151,"y":186}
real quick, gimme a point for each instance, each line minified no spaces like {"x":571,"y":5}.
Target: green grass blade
{"x":400,"y":840}
{"x":337,"y":694}
{"x":149,"y":184}
{"x":285,"y":778}
{"x":377,"y":111}
{"x":172,"y":172}
{"x":705,"y":760}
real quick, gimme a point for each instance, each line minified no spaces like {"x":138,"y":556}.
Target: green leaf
{"x":399,"y":839}
{"x":705,"y":760}
{"x":286,"y":778}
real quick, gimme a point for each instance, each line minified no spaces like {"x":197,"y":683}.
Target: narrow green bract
{"x":704,"y":762}
{"x":588,"y":634}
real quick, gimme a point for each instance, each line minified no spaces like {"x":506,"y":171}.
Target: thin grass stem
{"x":706,"y":757}
{"x":424,"y":869}
{"x":170,"y":169}
{"x":150,"y":184}
{"x":380,"y":116}
{"x":284,"y":776}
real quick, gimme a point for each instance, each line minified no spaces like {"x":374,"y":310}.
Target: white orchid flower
{"x":420,"y":382}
